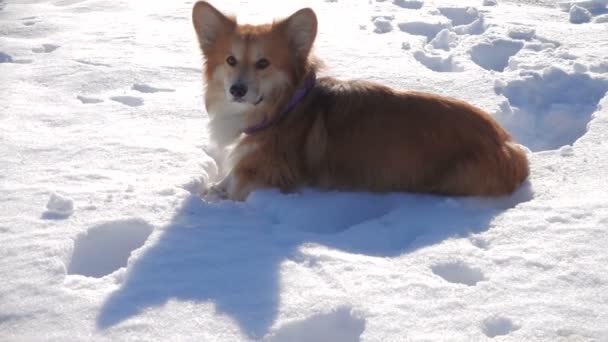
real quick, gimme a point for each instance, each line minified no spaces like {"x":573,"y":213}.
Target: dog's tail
{"x":519,"y":164}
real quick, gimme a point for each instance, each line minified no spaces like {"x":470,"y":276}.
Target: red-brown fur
{"x":355,"y":135}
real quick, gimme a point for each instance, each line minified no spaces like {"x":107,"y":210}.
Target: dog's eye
{"x":231,"y":60}
{"x":262,"y":64}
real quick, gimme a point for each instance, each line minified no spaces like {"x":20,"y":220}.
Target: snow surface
{"x":579,"y":15}
{"x":103,"y":149}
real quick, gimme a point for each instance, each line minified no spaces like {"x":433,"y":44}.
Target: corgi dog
{"x":289,"y":128}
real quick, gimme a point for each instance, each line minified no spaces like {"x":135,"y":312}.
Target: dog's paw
{"x":215,"y":193}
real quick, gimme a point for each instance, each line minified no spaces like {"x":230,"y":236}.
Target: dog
{"x":289,"y":129}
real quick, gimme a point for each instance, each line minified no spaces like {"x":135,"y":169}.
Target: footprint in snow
{"x":29,"y":21}
{"x":144,"y":88}
{"x":107,"y":247}
{"x":410,"y":4}
{"x":459,"y":273}
{"x":341,"y":325}
{"x":551,"y":108}
{"x":495,"y":55}
{"x":498,"y":326}
{"x":45,"y":48}
{"x":130,"y":101}
{"x":428,"y":27}
{"x":5,"y":58}
{"x":459,"y":15}
{"x":88,"y":100}
{"x":438,"y":62}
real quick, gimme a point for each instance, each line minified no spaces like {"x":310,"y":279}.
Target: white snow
{"x":579,"y":15}
{"x":445,"y":40}
{"x":105,"y":248}
{"x":383,"y":24}
{"x":495,"y":54}
{"x":104,"y":152}
{"x":413,"y":4}
{"x":59,"y":206}
{"x":591,"y":5}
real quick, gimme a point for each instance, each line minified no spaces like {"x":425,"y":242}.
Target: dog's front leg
{"x":241,"y":185}
{"x":219,"y":190}
{"x":231,"y":187}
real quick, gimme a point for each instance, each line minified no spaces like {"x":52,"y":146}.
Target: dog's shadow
{"x":229,"y":254}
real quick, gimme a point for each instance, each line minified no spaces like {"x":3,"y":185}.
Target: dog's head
{"x":252,"y":66}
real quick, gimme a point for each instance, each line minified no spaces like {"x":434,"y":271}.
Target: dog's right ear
{"x":209,"y":23}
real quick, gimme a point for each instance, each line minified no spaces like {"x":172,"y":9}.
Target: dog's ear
{"x":301,"y":30}
{"x":209,"y":23}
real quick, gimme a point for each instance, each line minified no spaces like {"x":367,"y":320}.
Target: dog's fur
{"x":353,"y":135}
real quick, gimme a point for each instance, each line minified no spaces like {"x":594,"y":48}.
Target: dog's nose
{"x":238,"y":90}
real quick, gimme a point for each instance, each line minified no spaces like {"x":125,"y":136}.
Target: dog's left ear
{"x":301,"y":30}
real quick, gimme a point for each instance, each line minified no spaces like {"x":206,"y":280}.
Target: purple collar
{"x":295,"y":99}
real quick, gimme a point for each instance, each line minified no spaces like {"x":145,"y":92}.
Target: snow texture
{"x":494,"y":55}
{"x":59,"y":206}
{"x":104,"y":152}
{"x":105,"y":248}
{"x":383,"y":25}
{"x":579,"y":15}
{"x":413,"y":4}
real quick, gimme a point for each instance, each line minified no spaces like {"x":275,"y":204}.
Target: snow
{"x":495,"y":54}
{"x":105,"y":248}
{"x":498,"y":326}
{"x":551,"y":108}
{"x":413,"y":4}
{"x":59,"y":206}
{"x":591,"y":5}
{"x":383,"y":24}
{"x":579,"y":15}
{"x":445,"y":40}
{"x":104,"y":152}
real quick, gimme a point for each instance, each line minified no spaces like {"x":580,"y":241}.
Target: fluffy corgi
{"x":290,"y":129}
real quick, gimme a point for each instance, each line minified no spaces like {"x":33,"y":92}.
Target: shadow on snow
{"x":230,"y":253}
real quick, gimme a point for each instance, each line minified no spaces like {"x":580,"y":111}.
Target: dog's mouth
{"x":242,"y":100}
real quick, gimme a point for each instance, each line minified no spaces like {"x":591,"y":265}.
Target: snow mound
{"x":382,"y":24}
{"x":341,"y":325}
{"x":445,"y":40}
{"x":579,"y":15}
{"x":105,"y":248}
{"x":522,"y":32}
{"x":437,"y":62}
{"x":58,"y":206}
{"x":495,"y":54}
{"x":549,"y":109}
{"x":489,"y":3}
